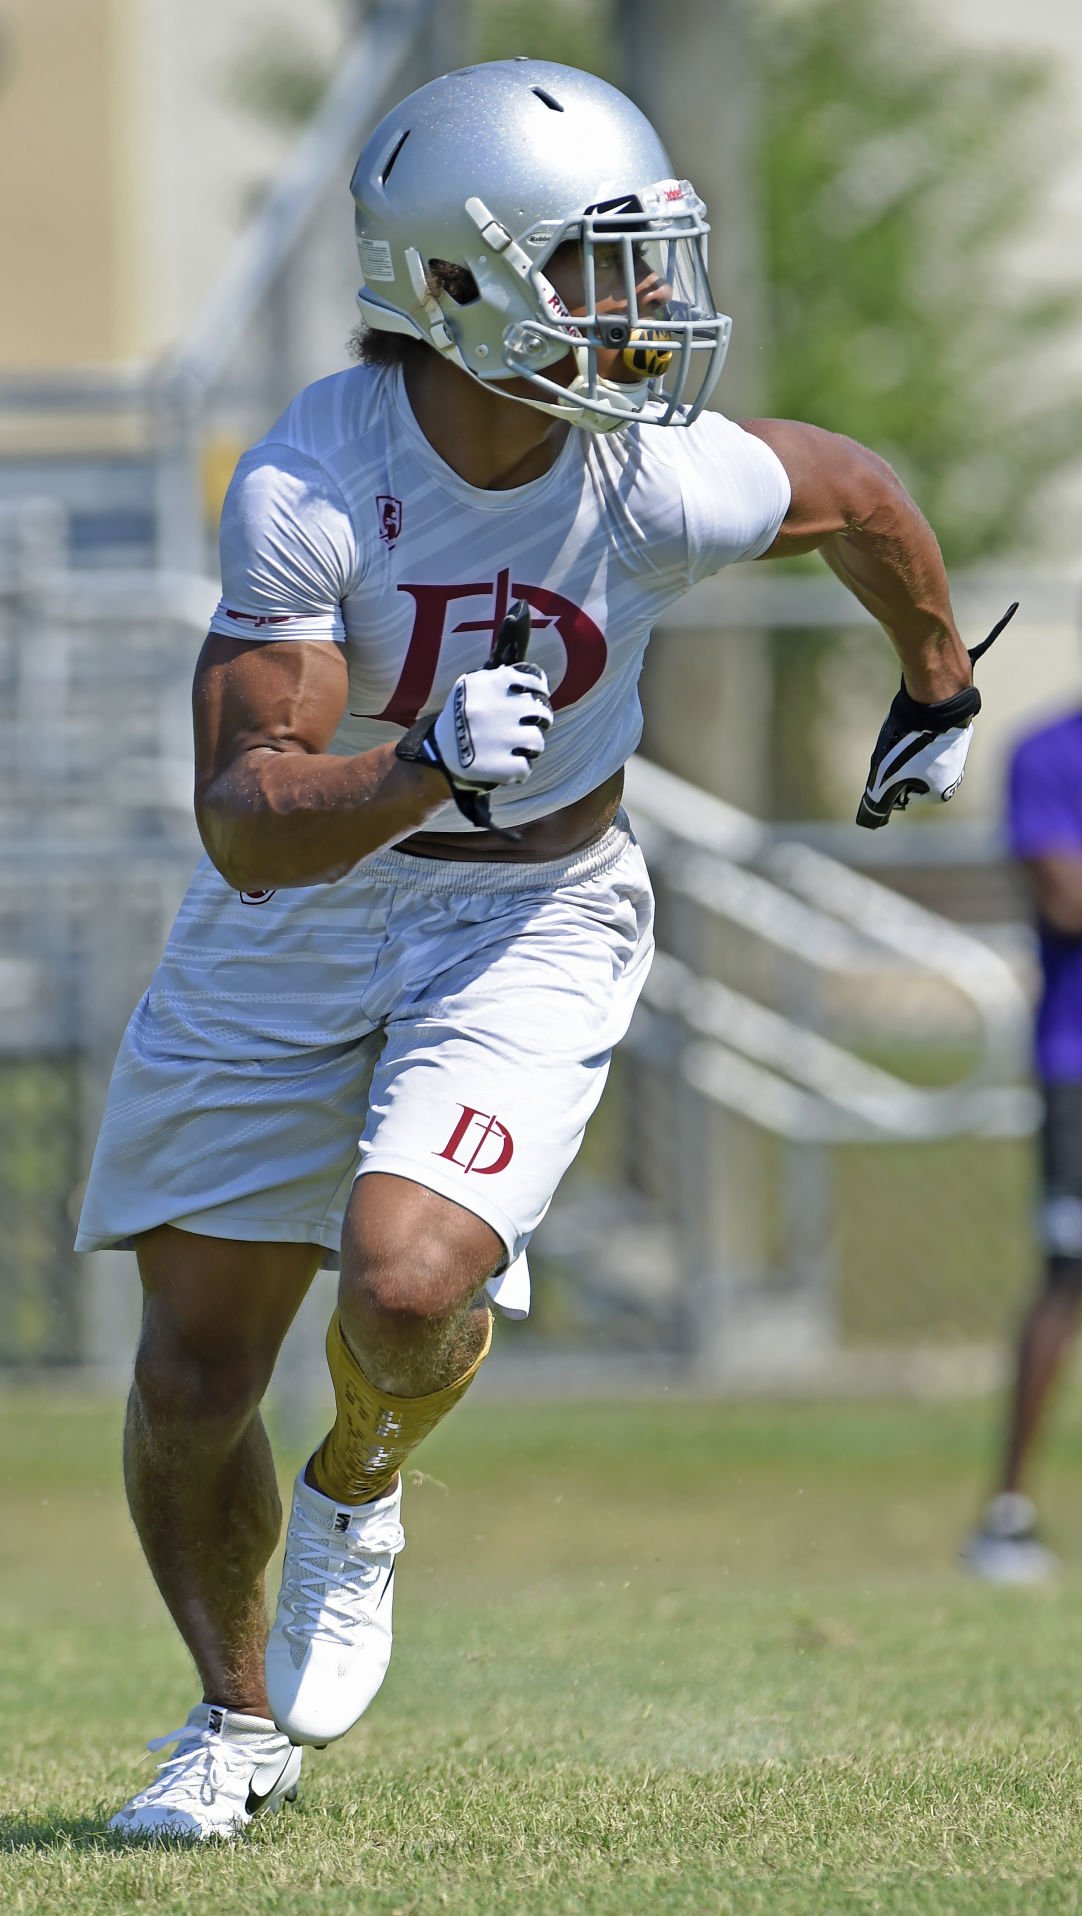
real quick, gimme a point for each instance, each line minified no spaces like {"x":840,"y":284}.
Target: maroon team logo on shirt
{"x":390,"y":518}
{"x":479,"y":1142}
{"x":438,"y":610}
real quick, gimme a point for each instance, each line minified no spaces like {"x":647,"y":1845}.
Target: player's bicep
{"x":282,"y":696}
{"x":836,"y":485}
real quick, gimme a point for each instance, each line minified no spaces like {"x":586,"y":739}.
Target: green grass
{"x":669,"y":1658}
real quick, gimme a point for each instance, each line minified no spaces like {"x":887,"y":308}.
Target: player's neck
{"x":490,"y":442}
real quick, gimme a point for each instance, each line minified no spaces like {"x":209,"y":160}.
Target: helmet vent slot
{"x":392,"y":157}
{"x":547,"y":99}
{"x":456,"y":281}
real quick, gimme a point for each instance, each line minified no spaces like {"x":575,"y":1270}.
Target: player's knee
{"x":408,"y":1294}
{"x":192,"y":1384}
{"x":410,"y":1260}
{"x":409,"y":1291}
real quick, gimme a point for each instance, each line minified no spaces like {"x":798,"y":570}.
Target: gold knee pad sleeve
{"x":374,"y":1432}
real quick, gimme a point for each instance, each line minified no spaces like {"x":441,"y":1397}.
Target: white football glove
{"x":492,"y":727}
{"x":922,"y":749}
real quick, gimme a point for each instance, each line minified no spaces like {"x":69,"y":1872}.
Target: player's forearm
{"x":277,"y":819}
{"x":1056,"y":884}
{"x":891,"y":562}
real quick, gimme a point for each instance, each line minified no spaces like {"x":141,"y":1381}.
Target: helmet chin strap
{"x":608,"y":422}
{"x":581,"y":414}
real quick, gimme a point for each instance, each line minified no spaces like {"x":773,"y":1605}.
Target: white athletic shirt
{"x":344,"y":526}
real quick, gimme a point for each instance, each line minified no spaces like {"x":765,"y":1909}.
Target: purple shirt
{"x":1045,"y":816}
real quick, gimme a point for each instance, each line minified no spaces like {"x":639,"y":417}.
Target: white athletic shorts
{"x":448,"y":1022}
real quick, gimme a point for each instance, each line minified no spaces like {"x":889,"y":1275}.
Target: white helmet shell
{"x":491,"y":169}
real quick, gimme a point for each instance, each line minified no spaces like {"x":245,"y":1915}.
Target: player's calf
{"x":331,"y":1642}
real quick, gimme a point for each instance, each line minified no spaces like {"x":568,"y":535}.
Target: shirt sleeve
{"x":288,"y":549}
{"x":736,"y":495}
{"x":1044,"y":804}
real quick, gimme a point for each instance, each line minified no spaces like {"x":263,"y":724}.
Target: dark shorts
{"x":1061,"y":1171}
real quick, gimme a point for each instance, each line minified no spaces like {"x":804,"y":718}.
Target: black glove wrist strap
{"x":418,"y":747}
{"x":940,"y":715}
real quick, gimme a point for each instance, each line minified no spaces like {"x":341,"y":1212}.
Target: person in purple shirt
{"x":1045,"y":835}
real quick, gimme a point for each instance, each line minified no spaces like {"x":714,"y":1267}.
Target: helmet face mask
{"x":522,"y":219}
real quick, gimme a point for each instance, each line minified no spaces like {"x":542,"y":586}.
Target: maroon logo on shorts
{"x":479,"y":1142}
{"x":257,"y":897}
{"x":390,"y":518}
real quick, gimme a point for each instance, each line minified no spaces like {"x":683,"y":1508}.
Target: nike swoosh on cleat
{"x":387,"y":1585}
{"x":257,"y":1799}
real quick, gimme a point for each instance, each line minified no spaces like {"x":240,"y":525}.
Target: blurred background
{"x":814,"y":1164}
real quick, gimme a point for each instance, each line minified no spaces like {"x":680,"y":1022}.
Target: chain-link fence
{"x":818,"y":1135}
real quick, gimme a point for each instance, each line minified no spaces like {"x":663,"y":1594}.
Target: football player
{"x":1045,"y":834}
{"x":386,"y":1010}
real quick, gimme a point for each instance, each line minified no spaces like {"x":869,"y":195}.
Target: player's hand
{"x":922,"y":749}
{"x":493,"y":726}
{"x":489,"y":733}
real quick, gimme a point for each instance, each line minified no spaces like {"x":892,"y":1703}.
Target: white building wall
{"x":196,"y":157}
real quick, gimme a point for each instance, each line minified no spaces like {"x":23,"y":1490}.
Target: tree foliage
{"x":579,"y":33}
{"x":901,"y":175}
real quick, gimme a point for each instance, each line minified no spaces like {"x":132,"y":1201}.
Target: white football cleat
{"x":331,"y":1642}
{"x":1006,"y":1548}
{"x":226,"y":1768}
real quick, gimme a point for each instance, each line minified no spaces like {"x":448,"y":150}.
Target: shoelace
{"x":184,"y":1777}
{"x":323,"y":1600}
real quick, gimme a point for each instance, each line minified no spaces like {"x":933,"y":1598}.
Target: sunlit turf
{"x":669,"y":1657}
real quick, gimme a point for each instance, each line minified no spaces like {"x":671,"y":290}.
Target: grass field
{"x":666,"y":1658}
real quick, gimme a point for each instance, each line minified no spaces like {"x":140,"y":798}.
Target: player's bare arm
{"x":849,"y":506}
{"x":274,"y":807}
{"x":1055,"y":884}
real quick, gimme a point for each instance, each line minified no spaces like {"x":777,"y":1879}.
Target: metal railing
{"x":843,"y":923}
{"x":705,"y":1235}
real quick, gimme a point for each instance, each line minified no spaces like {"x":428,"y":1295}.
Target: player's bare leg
{"x":200,"y":1480}
{"x":406,"y":1342}
{"x":413,"y":1264}
{"x":1007,"y":1548}
{"x":1048,"y":1330}
{"x":203,"y":1497}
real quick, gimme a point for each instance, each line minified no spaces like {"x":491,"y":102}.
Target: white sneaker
{"x":331,"y":1642}
{"x":1006,"y":1548}
{"x":225,"y":1769}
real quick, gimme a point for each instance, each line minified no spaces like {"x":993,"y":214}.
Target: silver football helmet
{"x":490,"y":171}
